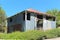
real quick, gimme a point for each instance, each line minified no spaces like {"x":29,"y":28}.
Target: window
{"x":40,"y":16}
{"x":23,"y":16}
{"x":54,"y":19}
{"x":49,"y":18}
{"x":28,"y":16}
{"x":10,"y":19}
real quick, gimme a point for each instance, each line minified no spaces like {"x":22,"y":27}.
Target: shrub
{"x":58,"y":32}
{"x":52,"y":33}
{"x":31,"y":35}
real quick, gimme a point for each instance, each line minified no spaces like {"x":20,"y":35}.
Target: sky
{"x":12,"y":7}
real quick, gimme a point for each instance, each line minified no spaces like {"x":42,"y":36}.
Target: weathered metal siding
{"x":18,"y":19}
{"x":48,"y":24}
{"x":31,"y":24}
{"x":53,"y":24}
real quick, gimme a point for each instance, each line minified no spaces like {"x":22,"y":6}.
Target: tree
{"x":55,"y":13}
{"x":2,"y":19}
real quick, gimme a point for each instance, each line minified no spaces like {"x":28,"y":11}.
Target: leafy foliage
{"x":52,"y":33}
{"x":29,"y":35}
{"x":32,"y":35}
{"x":2,"y":19}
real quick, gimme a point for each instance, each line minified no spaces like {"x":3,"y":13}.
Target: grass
{"x":31,"y":35}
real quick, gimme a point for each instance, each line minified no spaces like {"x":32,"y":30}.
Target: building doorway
{"x":39,"y":22}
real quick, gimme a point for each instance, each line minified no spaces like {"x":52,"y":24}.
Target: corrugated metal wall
{"x":48,"y":24}
{"x":31,"y":24}
{"x":18,"y":19}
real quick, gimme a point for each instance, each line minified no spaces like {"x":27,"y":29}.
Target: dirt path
{"x":54,"y":39}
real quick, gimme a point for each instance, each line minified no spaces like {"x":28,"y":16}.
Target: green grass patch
{"x":31,"y":35}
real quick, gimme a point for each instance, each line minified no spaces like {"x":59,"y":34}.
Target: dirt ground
{"x":54,"y":39}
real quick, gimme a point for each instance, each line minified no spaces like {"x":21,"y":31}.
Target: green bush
{"x":31,"y":35}
{"x":52,"y":33}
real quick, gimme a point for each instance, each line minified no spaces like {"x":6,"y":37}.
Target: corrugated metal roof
{"x":37,"y":12}
{"x":33,"y":11}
